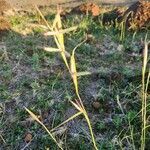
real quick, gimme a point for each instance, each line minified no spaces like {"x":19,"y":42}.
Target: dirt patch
{"x":28,"y":4}
{"x":4,"y":26}
{"x":4,"y":6}
{"x":138,"y":15}
{"x":90,"y":7}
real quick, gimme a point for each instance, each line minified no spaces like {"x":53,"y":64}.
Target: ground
{"x":38,"y":80}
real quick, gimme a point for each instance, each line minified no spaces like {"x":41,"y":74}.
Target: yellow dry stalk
{"x":78,"y":107}
{"x":59,"y":39}
{"x":147,"y":84}
{"x":73,"y":72}
{"x":82,"y":110}
{"x":91,"y":130}
{"x":144,"y":94}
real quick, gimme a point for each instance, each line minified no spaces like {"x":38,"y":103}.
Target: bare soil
{"x":4,"y":26}
{"x":4,"y":6}
{"x":138,"y":15}
{"x":27,"y":4}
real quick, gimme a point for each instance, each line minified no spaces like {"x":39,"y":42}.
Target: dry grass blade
{"x":148,"y":82}
{"x":36,"y":119}
{"x":57,"y":28}
{"x":57,"y":20}
{"x":145,"y":55}
{"x":47,"y":24}
{"x":77,"y":106}
{"x":84,"y":73}
{"x":63,"y":54}
{"x":119,"y":104}
{"x":59,"y":38}
{"x":63,"y":31}
{"x":69,"y":119}
{"x":73,"y":68}
{"x":51,"y":49}
{"x":74,"y":72}
{"x":2,"y":138}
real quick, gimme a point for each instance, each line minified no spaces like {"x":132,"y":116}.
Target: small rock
{"x":120,"y":48}
{"x":96,"y":105}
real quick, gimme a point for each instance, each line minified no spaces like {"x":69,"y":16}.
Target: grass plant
{"x":58,"y":34}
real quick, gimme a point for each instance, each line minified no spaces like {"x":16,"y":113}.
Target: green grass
{"x":38,"y":80}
